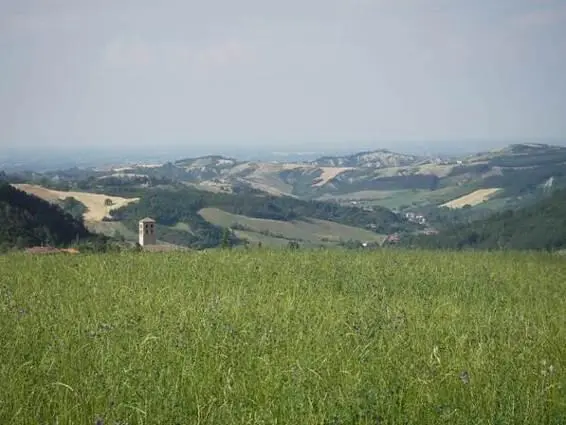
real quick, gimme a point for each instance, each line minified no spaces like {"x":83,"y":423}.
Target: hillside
{"x":487,"y":181}
{"x":541,"y":226}
{"x":176,"y":208}
{"x":308,"y":232}
{"x":217,"y":173}
{"x":97,"y":206}
{"x":28,"y":220}
{"x":472,"y":199}
{"x":178,"y":212}
{"x":373,"y":159}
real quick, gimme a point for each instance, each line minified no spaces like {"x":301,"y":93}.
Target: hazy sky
{"x":280,"y":73}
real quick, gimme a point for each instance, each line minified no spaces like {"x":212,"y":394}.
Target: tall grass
{"x":266,"y":337}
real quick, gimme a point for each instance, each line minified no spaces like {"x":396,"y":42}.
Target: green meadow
{"x":255,"y":336}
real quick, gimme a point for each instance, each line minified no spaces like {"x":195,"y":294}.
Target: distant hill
{"x":540,"y":226}
{"x":28,"y":221}
{"x":382,"y":158}
{"x":493,"y":180}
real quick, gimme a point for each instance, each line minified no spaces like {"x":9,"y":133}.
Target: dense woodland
{"x":540,"y":226}
{"x":27,"y":221}
{"x":73,"y":207}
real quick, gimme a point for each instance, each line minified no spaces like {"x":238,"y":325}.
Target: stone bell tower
{"x":147,"y":235}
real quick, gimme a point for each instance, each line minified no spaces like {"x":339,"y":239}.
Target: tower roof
{"x":147,"y":220}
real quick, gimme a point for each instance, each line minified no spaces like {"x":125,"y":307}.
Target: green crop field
{"x":283,"y":337}
{"x":315,"y":232}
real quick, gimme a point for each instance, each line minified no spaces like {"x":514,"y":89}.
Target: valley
{"x":472,"y":199}
{"x":329,"y":201}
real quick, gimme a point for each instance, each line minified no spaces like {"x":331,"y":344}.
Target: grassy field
{"x":477,"y":197}
{"x":314,"y":232}
{"x":283,"y":337}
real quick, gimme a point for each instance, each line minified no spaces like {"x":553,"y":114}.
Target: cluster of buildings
{"x":394,"y":238}
{"x":415,"y":218}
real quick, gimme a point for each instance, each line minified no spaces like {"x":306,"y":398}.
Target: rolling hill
{"x":187,"y":216}
{"x":399,"y":180}
{"x":382,"y":158}
{"x":307,"y":180}
{"x":486,"y":182}
{"x":98,"y":206}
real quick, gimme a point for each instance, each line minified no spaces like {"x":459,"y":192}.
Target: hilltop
{"x":381,"y":158}
{"x":378,"y":177}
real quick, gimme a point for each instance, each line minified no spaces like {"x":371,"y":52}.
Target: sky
{"x":293,"y":74}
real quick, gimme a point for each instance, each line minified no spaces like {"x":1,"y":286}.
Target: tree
{"x":293,"y":245}
{"x":28,"y":220}
{"x":226,"y":239}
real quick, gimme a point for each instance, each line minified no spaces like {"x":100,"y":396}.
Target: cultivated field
{"x":362,"y":195}
{"x":283,"y":337}
{"x":328,"y":173}
{"x":95,"y":203}
{"x":472,"y":199}
{"x":313,"y":231}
